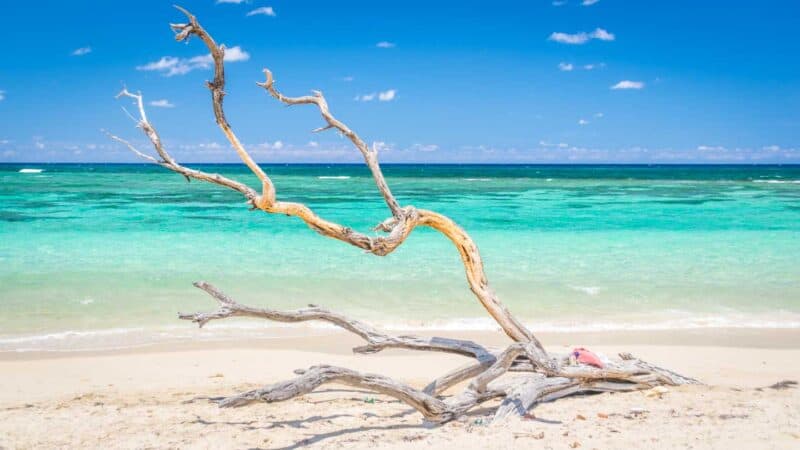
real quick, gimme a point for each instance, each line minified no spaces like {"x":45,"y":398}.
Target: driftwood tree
{"x":541,"y":376}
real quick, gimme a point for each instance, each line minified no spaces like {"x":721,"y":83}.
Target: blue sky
{"x":459,"y":81}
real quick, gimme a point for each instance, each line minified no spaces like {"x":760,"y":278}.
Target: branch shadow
{"x":332,"y":434}
{"x":302,"y":423}
{"x":250,"y":424}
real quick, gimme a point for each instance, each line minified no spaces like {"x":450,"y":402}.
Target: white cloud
{"x":424,"y":147}
{"x":263,"y":11}
{"x":348,"y":78}
{"x":583,"y":122}
{"x":589,"y":2}
{"x":559,"y":3}
{"x":710,"y":148}
{"x":365,"y":97}
{"x":163,"y":103}
{"x":384,"y":96}
{"x":233,"y":2}
{"x":565,"y":67}
{"x":602,"y":35}
{"x":313,"y":144}
{"x":594,"y":66}
{"x":166,"y":62}
{"x":387,"y":96}
{"x":236,"y":54}
{"x":598,"y":115}
{"x":385,"y":44}
{"x":568,"y":67}
{"x":627,"y":84}
{"x":2,"y":95}
{"x":277,"y":145}
{"x":379,"y":146}
{"x":548,"y":145}
{"x":82,"y":51}
{"x":171,"y":65}
{"x":564,"y":38}
{"x":212,"y":147}
{"x":582,"y":37}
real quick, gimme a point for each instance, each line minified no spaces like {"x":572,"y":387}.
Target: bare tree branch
{"x":376,"y":340}
{"x":370,"y":155}
{"x":133,"y":149}
{"x":167,"y":161}
{"x":217,"y":88}
{"x":626,"y":374}
{"x":548,"y":377}
{"x":398,"y":227}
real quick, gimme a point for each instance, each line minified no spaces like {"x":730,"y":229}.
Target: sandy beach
{"x":158,"y":397}
{"x":550,"y":225}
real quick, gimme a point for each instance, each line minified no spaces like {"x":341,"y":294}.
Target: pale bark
{"x":376,"y":340}
{"x":548,"y":377}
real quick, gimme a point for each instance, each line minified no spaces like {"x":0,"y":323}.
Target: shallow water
{"x":90,"y":252}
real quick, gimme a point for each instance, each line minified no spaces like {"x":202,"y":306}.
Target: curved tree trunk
{"x":548,"y":377}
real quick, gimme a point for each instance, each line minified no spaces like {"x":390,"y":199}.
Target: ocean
{"x":103,"y":255}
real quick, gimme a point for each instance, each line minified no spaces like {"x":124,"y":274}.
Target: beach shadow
{"x":250,"y":425}
{"x":303,"y":422}
{"x":201,"y":421}
{"x":353,"y":391}
{"x":322,"y":436}
{"x":324,"y":391}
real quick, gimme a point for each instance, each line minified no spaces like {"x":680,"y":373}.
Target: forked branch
{"x":376,"y":340}
{"x":370,"y":154}
{"x":217,"y":87}
{"x":398,"y":227}
{"x":546,"y":377}
{"x":549,"y":379}
{"x":167,"y":161}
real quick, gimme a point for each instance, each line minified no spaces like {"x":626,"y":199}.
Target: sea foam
{"x":121,"y":338}
{"x":777,"y":181}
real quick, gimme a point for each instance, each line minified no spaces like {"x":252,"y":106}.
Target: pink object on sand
{"x":587,"y":357}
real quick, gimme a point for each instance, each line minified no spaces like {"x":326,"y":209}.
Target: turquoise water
{"x":105,"y":254}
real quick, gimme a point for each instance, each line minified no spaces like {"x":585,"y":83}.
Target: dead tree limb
{"x":376,"y":340}
{"x":399,"y":226}
{"x":547,"y":377}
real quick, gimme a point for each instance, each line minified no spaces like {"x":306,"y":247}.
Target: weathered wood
{"x":551,"y":379}
{"x":451,"y":379}
{"x":432,"y":408}
{"x":398,"y":227}
{"x":529,"y":391}
{"x":376,"y":339}
{"x":370,"y":154}
{"x":547,"y":377}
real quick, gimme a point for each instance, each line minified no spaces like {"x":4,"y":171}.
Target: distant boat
{"x":31,"y":170}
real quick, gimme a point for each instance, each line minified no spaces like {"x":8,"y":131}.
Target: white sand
{"x":152,"y":398}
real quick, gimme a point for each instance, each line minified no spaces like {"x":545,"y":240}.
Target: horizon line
{"x":423,"y":163}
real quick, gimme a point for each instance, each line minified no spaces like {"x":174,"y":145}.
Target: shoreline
{"x":335,"y":341}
